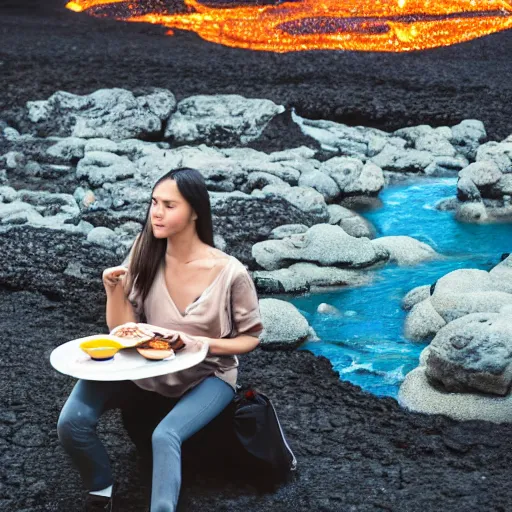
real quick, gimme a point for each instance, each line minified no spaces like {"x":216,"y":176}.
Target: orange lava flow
{"x":363,"y":25}
{"x":83,"y":5}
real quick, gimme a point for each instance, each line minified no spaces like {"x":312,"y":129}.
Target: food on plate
{"x":173,"y":339}
{"x":133,"y":333}
{"x":100,"y":348}
{"x":156,"y":349}
{"x":151,"y":341}
{"x":156,"y":344}
{"x":155,"y":355}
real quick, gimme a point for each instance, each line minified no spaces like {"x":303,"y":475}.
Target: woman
{"x":175,"y":279}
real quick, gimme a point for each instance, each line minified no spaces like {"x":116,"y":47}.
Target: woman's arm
{"x":232,"y":346}
{"x":119,"y":308}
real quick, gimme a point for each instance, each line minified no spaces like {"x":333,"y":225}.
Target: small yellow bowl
{"x":101,"y":349}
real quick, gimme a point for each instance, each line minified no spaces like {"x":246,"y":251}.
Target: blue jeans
{"x":89,"y":399}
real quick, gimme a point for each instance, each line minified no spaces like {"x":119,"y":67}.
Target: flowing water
{"x":365,"y":343}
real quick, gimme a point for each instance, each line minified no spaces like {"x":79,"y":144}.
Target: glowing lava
{"x":364,"y":25}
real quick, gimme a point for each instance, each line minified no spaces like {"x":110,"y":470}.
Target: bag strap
{"x":293,"y":466}
{"x":246,"y":388}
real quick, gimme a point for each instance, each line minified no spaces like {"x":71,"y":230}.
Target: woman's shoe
{"x":95,"y":503}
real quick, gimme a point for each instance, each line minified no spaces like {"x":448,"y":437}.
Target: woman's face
{"x":170,"y":212}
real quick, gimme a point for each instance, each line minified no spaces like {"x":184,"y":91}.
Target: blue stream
{"x":366,"y":344}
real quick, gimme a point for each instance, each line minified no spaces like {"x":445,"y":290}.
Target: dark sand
{"x":355,"y":452}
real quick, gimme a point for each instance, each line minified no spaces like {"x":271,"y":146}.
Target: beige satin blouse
{"x":227,"y":308}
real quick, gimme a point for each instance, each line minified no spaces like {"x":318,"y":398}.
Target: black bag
{"x":258,"y":430}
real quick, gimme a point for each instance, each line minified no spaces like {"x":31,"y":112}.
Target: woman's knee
{"x":163,"y":435}
{"x":74,"y":423}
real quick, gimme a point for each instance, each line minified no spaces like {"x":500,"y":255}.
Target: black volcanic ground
{"x":356,"y":452}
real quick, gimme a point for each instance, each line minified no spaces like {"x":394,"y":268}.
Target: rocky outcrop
{"x":302,"y":277}
{"x":222,"y":120}
{"x":440,"y":151}
{"x":115,"y":114}
{"x":324,"y":244}
{"x":473,"y":353}
{"x":331,"y":257}
{"x":469,"y":360}
{"x":457,"y":294}
{"x":484,"y":187}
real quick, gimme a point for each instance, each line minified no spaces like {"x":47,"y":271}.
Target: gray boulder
{"x":219,"y":172}
{"x":336,"y":137}
{"x":243,"y":220}
{"x":484,"y":188}
{"x":321,"y":182}
{"x":294,"y":154}
{"x":436,"y":144}
{"x":220,"y":120}
{"x":502,"y":273}
{"x":395,"y":159}
{"x":455,"y":295}
{"x":423,"y":322}
{"x":7,"y":194}
{"x":324,"y":244}
{"x":473,"y":353}
{"x":98,"y":167}
{"x":100,"y":144}
{"x":18,"y":212}
{"x":259,"y":180}
{"x":446,"y":165}
{"x":305,"y":198}
{"x":353,"y":177}
{"x":302,"y":277}
{"x":417,"y":394}
{"x":467,"y":137}
{"x":328,"y":309}
{"x":104,"y":237}
{"x":471,"y":212}
{"x":504,"y":186}
{"x":40,"y":208}
{"x":114,"y":114}
{"x":466,"y":291}
{"x":412,"y":133}
{"x":467,"y":190}
{"x":68,"y":148}
{"x":482,"y":174}
{"x":405,"y":250}
{"x":284,"y":327}
{"x":415,"y":296}
{"x":251,"y":160}
{"x":352,"y":223}
{"x":500,"y":153}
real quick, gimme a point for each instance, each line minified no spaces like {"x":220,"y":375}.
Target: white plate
{"x":127,"y":364}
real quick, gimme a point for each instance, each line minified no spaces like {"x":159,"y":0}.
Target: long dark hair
{"x":148,"y":252}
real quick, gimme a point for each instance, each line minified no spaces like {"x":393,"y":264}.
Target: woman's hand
{"x":113,"y":276}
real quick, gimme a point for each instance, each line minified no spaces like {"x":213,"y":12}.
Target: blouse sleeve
{"x":245,"y":306}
